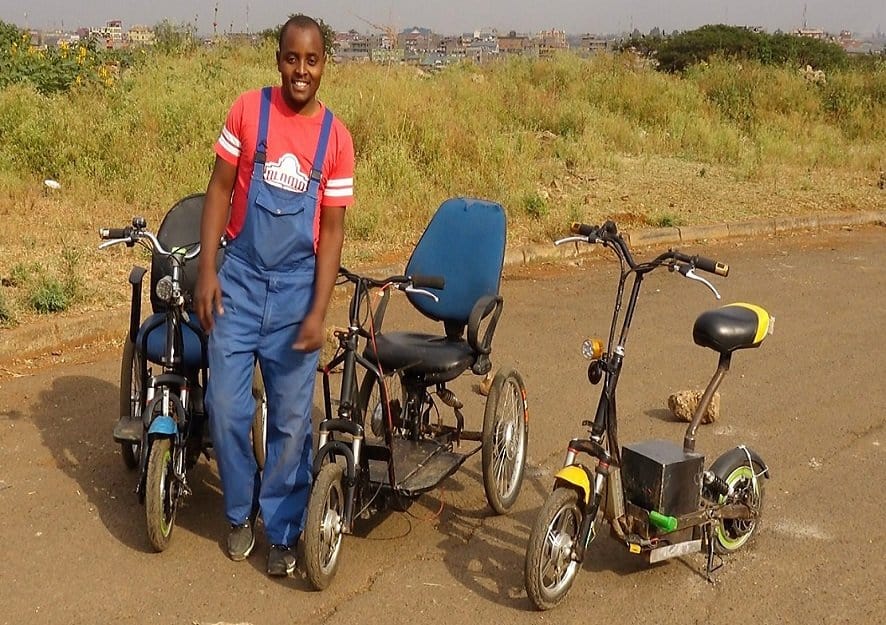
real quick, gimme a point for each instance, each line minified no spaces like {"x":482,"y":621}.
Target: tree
{"x":328,"y":34}
{"x":688,"y":48}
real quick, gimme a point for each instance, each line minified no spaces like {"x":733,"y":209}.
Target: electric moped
{"x":657,"y":497}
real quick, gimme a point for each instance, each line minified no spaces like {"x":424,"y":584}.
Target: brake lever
{"x":412,"y":289}
{"x":573,"y":239}
{"x":688,"y":271}
{"x":111,"y":242}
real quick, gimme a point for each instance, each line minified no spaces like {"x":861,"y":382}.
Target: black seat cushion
{"x":430,"y":357}
{"x":732,"y":327}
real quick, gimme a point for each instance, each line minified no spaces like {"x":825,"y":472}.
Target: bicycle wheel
{"x":745,"y":477}
{"x":130,"y":398}
{"x":323,"y":526}
{"x":549,"y":569}
{"x":505,"y":433}
{"x":161,"y":494}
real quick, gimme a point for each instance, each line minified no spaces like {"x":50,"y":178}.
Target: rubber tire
{"x":562,"y":500}
{"x":733,"y":468}
{"x":129,"y":366}
{"x":260,"y":419}
{"x":320,"y":568}
{"x":160,"y":504}
{"x":507,"y":379}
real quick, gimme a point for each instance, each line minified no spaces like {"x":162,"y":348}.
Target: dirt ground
{"x":811,"y":401}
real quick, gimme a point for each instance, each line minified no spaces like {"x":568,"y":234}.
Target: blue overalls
{"x":267,"y":282}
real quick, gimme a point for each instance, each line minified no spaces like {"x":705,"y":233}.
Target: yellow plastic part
{"x":576,"y":476}
{"x":762,"y":320}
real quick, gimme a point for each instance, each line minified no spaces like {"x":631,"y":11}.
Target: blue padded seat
{"x":464,"y":243}
{"x":155,"y":328}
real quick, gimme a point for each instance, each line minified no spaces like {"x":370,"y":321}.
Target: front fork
{"x":592,"y":486}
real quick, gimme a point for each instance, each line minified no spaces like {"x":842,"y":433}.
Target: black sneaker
{"x":281,"y":561}
{"x":241,"y":540}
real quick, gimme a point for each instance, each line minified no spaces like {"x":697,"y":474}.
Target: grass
{"x":555,"y":141}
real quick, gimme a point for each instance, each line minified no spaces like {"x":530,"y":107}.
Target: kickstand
{"x":709,"y":566}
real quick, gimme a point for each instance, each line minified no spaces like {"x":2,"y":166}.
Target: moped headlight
{"x":164,"y":288}
{"x":592,"y":349}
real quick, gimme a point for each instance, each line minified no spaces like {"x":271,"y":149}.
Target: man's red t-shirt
{"x":291,"y":144}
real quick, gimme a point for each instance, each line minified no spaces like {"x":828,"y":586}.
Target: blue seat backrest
{"x":465,"y":244}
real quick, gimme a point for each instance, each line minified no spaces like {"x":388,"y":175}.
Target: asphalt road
{"x":811,"y":401}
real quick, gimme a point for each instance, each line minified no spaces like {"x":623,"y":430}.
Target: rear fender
{"x":738,"y":455}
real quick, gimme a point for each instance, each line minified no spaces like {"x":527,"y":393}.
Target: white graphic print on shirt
{"x":286,"y":174}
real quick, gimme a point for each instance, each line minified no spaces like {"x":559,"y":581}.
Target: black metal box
{"x":658,"y":475}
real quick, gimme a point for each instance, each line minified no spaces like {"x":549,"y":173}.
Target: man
{"x":283,"y":176}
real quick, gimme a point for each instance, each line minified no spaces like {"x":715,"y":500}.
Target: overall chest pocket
{"x":284,"y":226}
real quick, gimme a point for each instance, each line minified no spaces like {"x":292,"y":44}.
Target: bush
{"x":50,"y":296}
{"x":683,"y":50}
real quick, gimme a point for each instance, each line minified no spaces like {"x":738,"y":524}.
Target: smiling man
{"x":283,"y":176}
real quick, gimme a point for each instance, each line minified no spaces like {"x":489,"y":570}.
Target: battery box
{"x":658,"y":475}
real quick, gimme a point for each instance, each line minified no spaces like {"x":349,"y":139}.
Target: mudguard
{"x":739,"y":453}
{"x":163,"y":425}
{"x":577,"y":477}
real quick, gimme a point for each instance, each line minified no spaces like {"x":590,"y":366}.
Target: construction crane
{"x":389,"y":31}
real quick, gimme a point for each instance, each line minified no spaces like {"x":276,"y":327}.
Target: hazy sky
{"x":456,"y":16}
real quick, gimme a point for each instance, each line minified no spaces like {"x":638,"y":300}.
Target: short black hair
{"x":300,"y":21}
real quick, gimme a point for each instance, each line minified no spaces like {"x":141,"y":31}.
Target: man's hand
{"x":208,"y":298}
{"x":310,"y":336}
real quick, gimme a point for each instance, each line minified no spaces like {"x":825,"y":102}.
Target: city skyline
{"x":457,"y":16}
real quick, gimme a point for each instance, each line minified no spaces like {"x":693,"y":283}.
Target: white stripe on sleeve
{"x":348,"y":192}
{"x":339,"y":183}
{"x":229,"y":142}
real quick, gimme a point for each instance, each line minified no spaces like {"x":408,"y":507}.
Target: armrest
{"x":485,"y":306}
{"x":136,"y":276}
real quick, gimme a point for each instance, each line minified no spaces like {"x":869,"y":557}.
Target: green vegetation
{"x":57,"y":69}
{"x":675,"y":54}
{"x":554,"y":140}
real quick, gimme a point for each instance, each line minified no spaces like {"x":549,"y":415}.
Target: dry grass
{"x":553,"y":141}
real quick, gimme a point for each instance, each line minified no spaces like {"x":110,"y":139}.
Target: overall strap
{"x":261,"y":145}
{"x":320,"y":155}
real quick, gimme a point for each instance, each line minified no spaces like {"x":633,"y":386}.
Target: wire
{"x":434,"y":515}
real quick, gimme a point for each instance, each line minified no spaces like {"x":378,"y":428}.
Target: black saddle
{"x":732,"y":327}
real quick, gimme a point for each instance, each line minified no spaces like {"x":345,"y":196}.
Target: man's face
{"x":301,"y":59}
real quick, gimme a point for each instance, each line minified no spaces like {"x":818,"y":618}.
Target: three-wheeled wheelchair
{"x":387,"y":442}
{"x":163,"y":428}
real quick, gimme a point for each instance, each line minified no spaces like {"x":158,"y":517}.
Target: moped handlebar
{"x":416,"y":283}
{"x":130,"y":235}
{"x":609,"y":232}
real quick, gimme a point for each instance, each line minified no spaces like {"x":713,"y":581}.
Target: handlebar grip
{"x":428,"y":282}
{"x":711,"y":266}
{"x":115,"y":233}
{"x":584,"y":230}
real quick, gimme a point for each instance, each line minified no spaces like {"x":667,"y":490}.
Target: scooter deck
{"x":128,"y":430}
{"x":419,"y":466}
